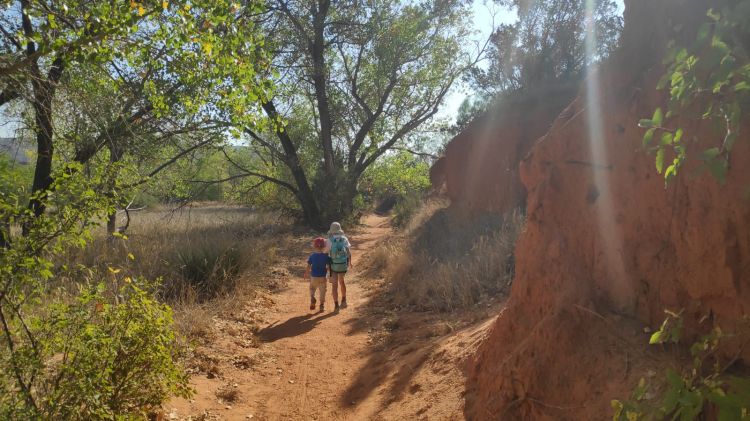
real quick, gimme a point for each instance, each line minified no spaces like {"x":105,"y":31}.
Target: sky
{"x":484,"y":12}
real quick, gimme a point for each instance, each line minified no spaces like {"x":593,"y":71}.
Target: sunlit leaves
{"x":715,"y":73}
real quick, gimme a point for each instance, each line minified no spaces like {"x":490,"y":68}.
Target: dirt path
{"x":323,"y":366}
{"x":317,"y":352}
{"x":306,"y":360}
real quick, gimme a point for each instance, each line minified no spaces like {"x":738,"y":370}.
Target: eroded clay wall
{"x":479,"y":171}
{"x":608,"y":247}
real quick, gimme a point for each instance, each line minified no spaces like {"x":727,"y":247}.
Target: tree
{"x":546,"y":45}
{"x":145,"y":71}
{"x":355,"y":80}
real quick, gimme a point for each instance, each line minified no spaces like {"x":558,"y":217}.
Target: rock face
{"x":494,"y":143}
{"x":607,"y":247}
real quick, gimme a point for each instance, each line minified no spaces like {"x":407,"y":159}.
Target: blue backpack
{"x":339,"y":254}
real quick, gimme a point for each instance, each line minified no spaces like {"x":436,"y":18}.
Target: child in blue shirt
{"x":318,"y":265}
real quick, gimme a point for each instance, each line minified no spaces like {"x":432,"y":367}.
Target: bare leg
{"x":343,"y":286}
{"x":312,"y":294}
{"x":335,"y":287}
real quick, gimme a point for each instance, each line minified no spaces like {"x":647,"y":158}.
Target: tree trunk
{"x":115,"y":154}
{"x":42,"y":104}
{"x":311,"y":211}
{"x":304,"y":194}
{"x":111,"y":223}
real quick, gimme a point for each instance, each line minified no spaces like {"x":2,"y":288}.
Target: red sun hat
{"x":319,"y":242}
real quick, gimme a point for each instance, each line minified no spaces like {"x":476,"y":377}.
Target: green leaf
{"x":677,"y":136}
{"x":645,"y":122}
{"x":656,"y":338}
{"x":657,"y":118}
{"x":670,"y":172}
{"x":674,"y":379}
{"x":666,"y":138}
{"x":720,"y":46}
{"x":742,"y":86}
{"x":729,"y":141}
{"x":660,"y":161}
{"x":648,"y":137}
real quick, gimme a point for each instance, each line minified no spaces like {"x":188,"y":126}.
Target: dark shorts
{"x":337,"y":271}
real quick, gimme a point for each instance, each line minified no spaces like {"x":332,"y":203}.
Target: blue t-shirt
{"x":319,"y":262}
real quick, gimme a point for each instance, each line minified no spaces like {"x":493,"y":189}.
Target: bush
{"x":397,"y":182}
{"x":87,"y":349}
{"x":106,"y":357}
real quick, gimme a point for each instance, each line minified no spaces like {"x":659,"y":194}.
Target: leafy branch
{"x":713,"y":72}
{"x":704,"y":385}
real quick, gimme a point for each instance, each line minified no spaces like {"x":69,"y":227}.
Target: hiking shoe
{"x":322,"y":307}
{"x":312,"y":304}
{"x":343,"y":303}
{"x":336,"y":306}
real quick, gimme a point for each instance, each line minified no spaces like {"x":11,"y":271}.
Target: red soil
{"x":310,"y":365}
{"x":607,"y":247}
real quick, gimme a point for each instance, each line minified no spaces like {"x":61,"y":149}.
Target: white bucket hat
{"x":335,"y":229}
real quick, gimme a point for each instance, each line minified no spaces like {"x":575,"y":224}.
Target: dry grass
{"x":199,"y":254}
{"x":228,"y":393}
{"x":203,"y":259}
{"x":445,"y":262}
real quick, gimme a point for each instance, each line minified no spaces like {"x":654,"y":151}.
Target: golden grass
{"x":446,"y":261}
{"x":204,"y":260}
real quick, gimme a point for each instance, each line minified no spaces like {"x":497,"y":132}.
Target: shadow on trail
{"x":408,"y":340}
{"x":395,"y":366}
{"x":295,"y":326}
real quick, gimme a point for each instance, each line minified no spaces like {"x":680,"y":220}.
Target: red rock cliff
{"x":493,"y":144}
{"x":607,"y":247}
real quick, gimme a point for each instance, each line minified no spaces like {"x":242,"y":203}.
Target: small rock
{"x":291,"y":381}
{"x":228,"y":407}
{"x":249,"y":416}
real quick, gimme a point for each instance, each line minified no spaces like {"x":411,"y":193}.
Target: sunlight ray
{"x":610,"y":237}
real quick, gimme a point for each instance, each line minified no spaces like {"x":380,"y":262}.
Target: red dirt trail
{"x":323,"y":366}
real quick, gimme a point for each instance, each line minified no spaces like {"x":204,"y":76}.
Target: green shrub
{"x":401,"y":180}
{"x":84,"y":349}
{"x":708,"y":80}
{"x":694,"y":391}
{"x":106,"y":357}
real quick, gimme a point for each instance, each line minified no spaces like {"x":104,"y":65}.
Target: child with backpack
{"x":339,"y":249}
{"x":318,"y":265}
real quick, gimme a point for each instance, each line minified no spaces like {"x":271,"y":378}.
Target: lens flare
{"x":610,"y":238}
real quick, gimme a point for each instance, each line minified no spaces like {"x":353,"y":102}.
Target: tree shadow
{"x":294,"y":326}
{"x":397,"y":365}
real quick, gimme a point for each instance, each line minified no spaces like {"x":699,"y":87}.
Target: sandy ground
{"x":312,"y":365}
